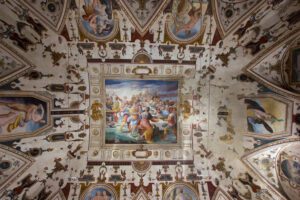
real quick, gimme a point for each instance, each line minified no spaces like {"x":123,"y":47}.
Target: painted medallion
{"x":96,"y":19}
{"x":186,"y":22}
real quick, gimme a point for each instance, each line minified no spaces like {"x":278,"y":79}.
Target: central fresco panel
{"x":141,"y":111}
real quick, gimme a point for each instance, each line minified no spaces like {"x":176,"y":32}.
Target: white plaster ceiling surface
{"x":220,"y":79}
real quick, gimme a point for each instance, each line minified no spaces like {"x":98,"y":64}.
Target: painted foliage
{"x":187,"y":20}
{"x":265,"y":115}
{"x":96,"y":19}
{"x":141,"y":111}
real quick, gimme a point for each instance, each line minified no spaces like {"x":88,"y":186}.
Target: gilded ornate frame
{"x":99,"y":151}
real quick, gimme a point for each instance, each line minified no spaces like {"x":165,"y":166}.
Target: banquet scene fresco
{"x":141,"y":111}
{"x":149,"y":100}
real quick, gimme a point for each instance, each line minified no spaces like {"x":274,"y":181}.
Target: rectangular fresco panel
{"x":22,"y":115}
{"x":141,"y":111}
{"x":266,"y":115}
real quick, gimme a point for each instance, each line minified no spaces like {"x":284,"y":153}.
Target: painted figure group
{"x":143,"y":116}
{"x":15,"y":116}
{"x":97,"y":18}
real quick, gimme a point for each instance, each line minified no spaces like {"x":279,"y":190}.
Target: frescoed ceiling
{"x":149,"y":99}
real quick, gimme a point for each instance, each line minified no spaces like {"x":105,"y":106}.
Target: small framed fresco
{"x":141,"y":111}
{"x":24,"y":114}
{"x":99,"y":191}
{"x":187,"y":25}
{"x":181,"y":191}
{"x":268,"y":116}
{"x":97,"y":20}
